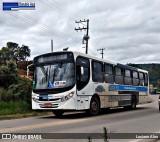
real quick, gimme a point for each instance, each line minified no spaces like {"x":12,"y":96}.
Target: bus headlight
{"x":67,"y":97}
{"x":35,"y":99}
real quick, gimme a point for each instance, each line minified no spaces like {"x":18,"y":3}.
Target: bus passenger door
{"x":82,"y":82}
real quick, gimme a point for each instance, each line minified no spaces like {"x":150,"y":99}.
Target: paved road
{"x":145,"y":119}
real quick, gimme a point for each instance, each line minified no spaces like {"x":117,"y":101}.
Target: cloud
{"x":127,"y":29}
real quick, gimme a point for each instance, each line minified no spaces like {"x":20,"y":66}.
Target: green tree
{"x":11,"y":67}
{"x":14,"y":52}
{"x":18,"y":54}
{"x":8,"y":74}
{"x":25,"y":52}
{"x":5,"y":54}
{"x":158,"y":84}
{"x":12,"y":46}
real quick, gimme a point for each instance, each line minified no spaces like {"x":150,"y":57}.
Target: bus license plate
{"x":48,"y":105}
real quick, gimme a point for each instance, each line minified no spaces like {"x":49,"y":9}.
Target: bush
{"x":22,"y":90}
{"x":11,"y":67}
{"x":6,"y":95}
{"x":7,"y":80}
{"x":8,"y":74}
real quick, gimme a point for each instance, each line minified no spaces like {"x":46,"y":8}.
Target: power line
{"x":44,"y":28}
{"x":48,"y":29}
{"x":62,"y":9}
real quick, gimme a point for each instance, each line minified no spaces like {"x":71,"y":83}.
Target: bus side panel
{"x":143,"y":97}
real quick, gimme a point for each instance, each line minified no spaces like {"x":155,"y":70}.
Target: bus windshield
{"x":58,"y":75}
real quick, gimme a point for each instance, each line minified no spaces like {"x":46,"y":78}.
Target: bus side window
{"x":109,"y":78}
{"x":97,"y":72}
{"x":146,"y":79}
{"x":118,"y":75}
{"x":127,"y":78}
{"x":135,"y":78}
{"x":82,"y":72}
{"x":141,"y":79}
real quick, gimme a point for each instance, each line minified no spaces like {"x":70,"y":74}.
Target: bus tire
{"x":133,"y":103}
{"x":58,"y":113}
{"x":94,"y":106}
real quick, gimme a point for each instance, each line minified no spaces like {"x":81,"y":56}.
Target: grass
{"x":28,"y":114}
{"x":11,"y":110}
{"x":13,"y":107}
{"x":6,"y":95}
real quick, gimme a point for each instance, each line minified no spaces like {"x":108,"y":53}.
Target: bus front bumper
{"x":49,"y":105}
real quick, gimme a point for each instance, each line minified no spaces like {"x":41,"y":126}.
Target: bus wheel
{"x":58,"y":113}
{"x":132,"y":106}
{"x":133,"y":103}
{"x":94,"y":106}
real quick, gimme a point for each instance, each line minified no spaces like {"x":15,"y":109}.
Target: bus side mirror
{"x":82,"y":70}
{"x":79,"y":71}
{"x":28,"y":71}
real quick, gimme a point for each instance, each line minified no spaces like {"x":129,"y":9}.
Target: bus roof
{"x":95,"y":58}
{"x":103,"y":60}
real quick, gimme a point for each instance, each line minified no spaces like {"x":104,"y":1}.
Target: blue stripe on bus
{"x":114,"y":87}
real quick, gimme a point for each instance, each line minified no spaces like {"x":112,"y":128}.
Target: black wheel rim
{"x":94,"y":106}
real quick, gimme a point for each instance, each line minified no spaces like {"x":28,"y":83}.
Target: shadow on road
{"x":83,"y":114}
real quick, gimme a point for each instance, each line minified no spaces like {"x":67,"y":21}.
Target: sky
{"x":129,"y":30}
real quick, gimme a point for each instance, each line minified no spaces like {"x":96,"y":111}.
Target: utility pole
{"x":51,"y":45}
{"x":102,"y":51}
{"x":85,"y":27}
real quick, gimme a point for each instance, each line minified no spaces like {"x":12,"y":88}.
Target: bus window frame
{"x":95,"y":61}
{"x":137,"y":78}
{"x":130,"y":77}
{"x":145,"y":79}
{"x":141,"y":79}
{"x":105,"y":64}
{"x":122,"y":74}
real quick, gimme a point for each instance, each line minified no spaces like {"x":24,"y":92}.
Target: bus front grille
{"x":41,"y":99}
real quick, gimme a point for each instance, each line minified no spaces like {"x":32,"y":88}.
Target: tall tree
{"x":25,"y":52}
{"x":17,"y":54}
{"x":5,"y":54}
{"x":14,"y":52}
{"x":12,"y":46}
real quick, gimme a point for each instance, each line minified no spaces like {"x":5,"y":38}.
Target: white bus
{"x":68,"y":80}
